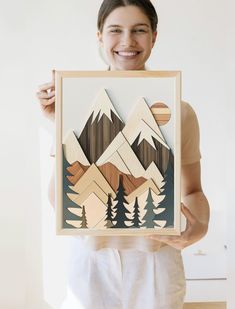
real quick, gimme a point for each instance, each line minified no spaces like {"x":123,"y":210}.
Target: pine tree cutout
{"x":109,"y":213}
{"x":84,"y":219}
{"x":67,"y":203}
{"x":168,"y":191}
{"x":136,"y":223}
{"x":149,"y":217}
{"x":120,"y":209}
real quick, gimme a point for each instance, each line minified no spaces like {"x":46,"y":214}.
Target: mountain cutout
{"x":73,"y":151}
{"x":101,"y":128}
{"x":145,"y":137}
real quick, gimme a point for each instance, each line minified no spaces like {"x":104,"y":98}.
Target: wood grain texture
{"x":120,"y":153}
{"x":77,"y":170}
{"x":161,"y":113}
{"x":112,"y":175}
{"x":148,"y":184}
{"x":147,"y":154}
{"x":97,"y":135}
{"x":95,"y":212}
{"x":152,"y":172}
{"x":141,"y":112}
{"x":93,"y":175}
{"x":92,"y":188}
{"x":219,"y":305}
{"x":73,"y":151}
{"x":139,"y":73}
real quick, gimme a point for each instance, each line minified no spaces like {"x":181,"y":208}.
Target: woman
{"x":132,"y":272}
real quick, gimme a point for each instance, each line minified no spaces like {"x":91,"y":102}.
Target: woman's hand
{"x":46,"y":96}
{"x":194,"y":231}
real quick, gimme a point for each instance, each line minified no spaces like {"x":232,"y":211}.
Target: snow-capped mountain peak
{"x":141,"y":113}
{"x":103,"y":106}
{"x":145,"y":132}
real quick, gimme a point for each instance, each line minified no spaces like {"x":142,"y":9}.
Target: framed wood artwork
{"x":118,"y":152}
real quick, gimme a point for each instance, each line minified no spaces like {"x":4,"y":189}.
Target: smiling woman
{"x":133,"y":272}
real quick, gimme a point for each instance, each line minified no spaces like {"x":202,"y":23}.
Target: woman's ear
{"x":154,"y":37}
{"x":99,"y":37}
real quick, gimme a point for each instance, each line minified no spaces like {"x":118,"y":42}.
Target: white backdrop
{"x":195,"y":36}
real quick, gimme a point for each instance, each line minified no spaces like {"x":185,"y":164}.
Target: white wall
{"x":49,"y":34}
{"x":230,"y":69}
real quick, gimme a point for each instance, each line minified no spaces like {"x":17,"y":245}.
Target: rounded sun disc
{"x":161,"y":113}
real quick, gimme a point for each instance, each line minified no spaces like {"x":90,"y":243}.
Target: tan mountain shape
{"x":73,"y":151}
{"x":92,"y":175}
{"x":141,"y":189}
{"x":112,"y":175}
{"x":95,"y":213}
{"x":92,"y":188}
{"x":77,"y":170}
{"x":121,"y":147}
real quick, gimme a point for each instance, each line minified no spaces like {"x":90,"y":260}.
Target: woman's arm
{"x":195,"y":208}
{"x":51,"y":188}
{"x":46,"y":98}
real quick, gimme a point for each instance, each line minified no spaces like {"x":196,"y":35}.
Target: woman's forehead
{"x":127,"y":16}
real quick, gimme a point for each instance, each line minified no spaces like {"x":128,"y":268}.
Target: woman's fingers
{"x":52,"y":100}
{"x":47,"y":86}
{"x":45,"y":95}
{"x":45,"y":103}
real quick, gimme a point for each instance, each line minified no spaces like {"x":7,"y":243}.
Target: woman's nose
{"x":127,"y":39}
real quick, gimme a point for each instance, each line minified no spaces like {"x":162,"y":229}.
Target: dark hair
{"x":145,"y":6}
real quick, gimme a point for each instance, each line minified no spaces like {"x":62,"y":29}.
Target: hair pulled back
{"x":145,"y":6}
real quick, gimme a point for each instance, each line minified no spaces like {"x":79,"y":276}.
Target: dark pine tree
{"x":67,"y":203}
{"x":136,"y":215}
{"x":149,"y":217}
{"x":120,"y":209}
{"x":109,"y":213}
{"x":84,"y":219}
{"x":168,"y":191}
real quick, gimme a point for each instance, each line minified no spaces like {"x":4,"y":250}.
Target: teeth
{"x":127,"y":54}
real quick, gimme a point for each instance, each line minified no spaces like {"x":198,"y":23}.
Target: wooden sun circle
{"x":161,"y":113}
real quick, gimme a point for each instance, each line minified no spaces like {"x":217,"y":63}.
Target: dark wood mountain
{"x":147,"y":154}
{"x":97,"y":135}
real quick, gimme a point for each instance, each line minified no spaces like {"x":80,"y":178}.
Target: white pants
{"x":129,"y":279}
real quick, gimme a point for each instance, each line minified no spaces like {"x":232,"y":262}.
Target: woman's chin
{"x":126,"y":67}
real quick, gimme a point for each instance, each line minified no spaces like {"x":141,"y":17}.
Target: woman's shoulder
{"x":187,"y":111}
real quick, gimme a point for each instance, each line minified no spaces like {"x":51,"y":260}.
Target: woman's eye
{"x":115,"y":31}
{"x":140,"y":31}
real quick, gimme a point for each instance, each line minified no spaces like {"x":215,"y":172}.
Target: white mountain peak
{"x":142,"y":121}
{"x":103,"y":105}
{"x":146,"y":133}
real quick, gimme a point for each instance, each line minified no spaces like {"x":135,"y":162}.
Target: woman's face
{"x":127,"y":38}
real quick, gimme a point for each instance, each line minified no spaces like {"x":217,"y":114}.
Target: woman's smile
{"x":127,"y":55}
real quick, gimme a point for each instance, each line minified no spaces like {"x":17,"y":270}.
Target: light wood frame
{"x":60,"y":77}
